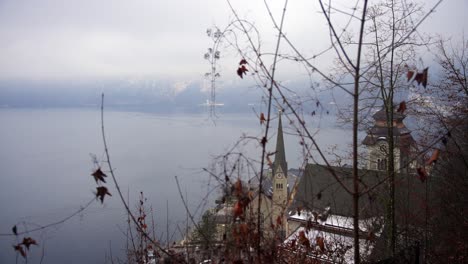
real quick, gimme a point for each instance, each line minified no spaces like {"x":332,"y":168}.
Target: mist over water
{"x":45,"y":168}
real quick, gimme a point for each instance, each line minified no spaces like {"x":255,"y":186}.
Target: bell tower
{"x":279,"y":180}
{"x":377,"y":142}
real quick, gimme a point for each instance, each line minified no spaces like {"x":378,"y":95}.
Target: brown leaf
{"x":262,"y":119}
{"x":422,"y":174}
{"x":279,"y":221}
{"x":320,"y":243}
{"x":409,"y":75}
{"x":243,"y":61}
{"x":238,"y":188}
{"x":303,"y":240}
{"x":27,"y":241}
{"x":244,"y":229}
{"x":101,"y":192}
{"x":434,"y":157}
{"x":241,"y":71}
{"x":402,"y":107}
{"x":424,"y":77}
{"x":20,"y":249}
{"x":270,"y":163}
{"x":99,"y":175}
{"x":421,"y":78}
{"x":238,"y":211}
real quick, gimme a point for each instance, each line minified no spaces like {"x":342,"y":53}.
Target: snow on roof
{"x":337,"y":248}
{"x":337,"y":234}
{"x":338,"y":221}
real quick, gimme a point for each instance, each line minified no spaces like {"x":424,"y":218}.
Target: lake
{"x":45,"y":167}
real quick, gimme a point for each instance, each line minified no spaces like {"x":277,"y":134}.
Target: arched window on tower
{"x":381,"y":164}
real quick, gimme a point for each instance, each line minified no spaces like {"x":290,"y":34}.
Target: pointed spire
{"x":280,"y":156}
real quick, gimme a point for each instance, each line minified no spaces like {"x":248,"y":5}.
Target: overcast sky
{"x":64,"y":39}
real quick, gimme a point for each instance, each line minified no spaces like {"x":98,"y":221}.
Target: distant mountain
{"x":137,"y":94}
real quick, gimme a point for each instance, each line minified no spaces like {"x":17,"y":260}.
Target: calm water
{"x":45,"y":168}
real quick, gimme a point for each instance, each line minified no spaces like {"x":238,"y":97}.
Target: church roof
{"x":318,"y":189}
{"x":280,"y":156}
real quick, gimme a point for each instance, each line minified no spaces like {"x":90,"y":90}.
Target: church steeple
{"x":280,"y":156}
{"x":280,"y":182}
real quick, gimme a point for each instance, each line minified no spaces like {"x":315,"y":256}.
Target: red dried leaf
{"x":244,"y":229}
{"x":27,"y":241}
{"x":424,"y":78}
{"x":262,"y":119}
{"x":20,"y":249}
{"x":279,"y":221}
{"x":409,"y":75}
{"x":238,"y":187}
{"x":320,"y":243}
{"x":270,"y":163}
{"x":421,"y":78}
{"x":241,"y":71}
{"x":238,"y":210}
{"x":422,"y":174}
{"x":402,"y":107}
{"x":293,"y":243}
{"x":99,"y":175}
{"x":319,"y":195}
{"x":101,"y":192}
{"x":434,"y":157}
{"x":243,"y":61}
{"x":303,"y":239}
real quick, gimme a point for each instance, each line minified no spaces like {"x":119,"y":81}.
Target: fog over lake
{"x":45,"y":168}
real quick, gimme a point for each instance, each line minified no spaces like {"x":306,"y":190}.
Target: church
{"x":319,"y":206}
{"x":314,"y":206}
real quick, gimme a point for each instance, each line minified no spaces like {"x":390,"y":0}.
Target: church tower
{"x":377,"y":144}
{"x":279,"y":180}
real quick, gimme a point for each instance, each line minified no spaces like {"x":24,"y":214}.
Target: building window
{"x":279,"y":186}
{"x":381,"y":164}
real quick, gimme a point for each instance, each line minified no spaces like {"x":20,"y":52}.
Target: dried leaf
{"x":20,"y":249}
{"x":99,"y":175}
{"x":279,"y":221}
{"x":241,"y":71}
{"x":27,"y":241}
{"x":421,"y":78}
{"x":270,"y":163}
{"x":262,"y":119}
{"x":409,"y":75}
{"x":101,"y":192}
{"x":424,"y":78}
{"x":402,"y":107}
{"x":15,"y":230}
{"x":238,"y":211}
{"x":422,"y":174}
{"x":320,"y":242}
{"x":303,"y":239}
{"x":242,"y":62}
{"x":434,"y":157}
